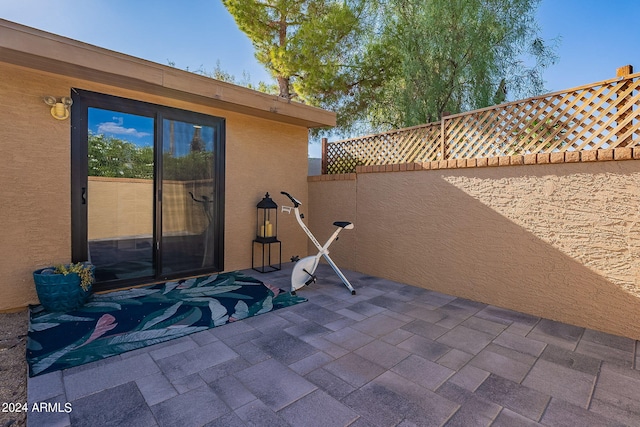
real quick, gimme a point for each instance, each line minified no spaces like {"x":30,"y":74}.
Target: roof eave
{"x":32,"y":48}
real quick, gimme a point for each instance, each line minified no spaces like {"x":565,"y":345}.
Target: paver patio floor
{"x":392,"y":355}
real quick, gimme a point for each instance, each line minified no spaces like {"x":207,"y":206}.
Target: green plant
{"x":82,"y":269}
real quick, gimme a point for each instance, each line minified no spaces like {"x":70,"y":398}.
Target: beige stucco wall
{"x":123,"y":207}
{"x":558,"y":241}
{"x":261,"y":155}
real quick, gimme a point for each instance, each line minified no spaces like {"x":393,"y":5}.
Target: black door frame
{"x":82,"y":101}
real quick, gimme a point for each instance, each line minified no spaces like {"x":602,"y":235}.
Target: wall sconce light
{"x":59,"y":109}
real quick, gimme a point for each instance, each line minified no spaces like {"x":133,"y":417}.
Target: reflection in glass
{"x":120,"y":194}
{"x":188,"y":201}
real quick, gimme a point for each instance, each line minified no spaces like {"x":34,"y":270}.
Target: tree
{"x":115,"y":157}
{"x":397,"y":63}
{"x":307,"y":45}
{"x":456,"y":55}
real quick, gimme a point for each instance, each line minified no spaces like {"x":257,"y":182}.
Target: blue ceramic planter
{"x":59,"y":292}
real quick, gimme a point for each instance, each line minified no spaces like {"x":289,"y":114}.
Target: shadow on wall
{"x":502,"y":237}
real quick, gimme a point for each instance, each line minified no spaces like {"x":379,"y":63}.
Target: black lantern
{"x":266,"y":235}
{"x":267,"y":220}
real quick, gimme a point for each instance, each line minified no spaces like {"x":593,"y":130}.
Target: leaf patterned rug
{"x":116,"y":322}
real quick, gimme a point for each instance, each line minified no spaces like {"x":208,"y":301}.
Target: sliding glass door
{"x":120,"y":194}
{"x":188,"y":196}
{"x":147,"y":190}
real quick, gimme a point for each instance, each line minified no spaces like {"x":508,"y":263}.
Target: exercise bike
{"x":303,"y":273}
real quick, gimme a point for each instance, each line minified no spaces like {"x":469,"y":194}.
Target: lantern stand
{"x":266,"y":236}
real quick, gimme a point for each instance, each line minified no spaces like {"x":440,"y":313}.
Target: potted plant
{"x":64,"y":287}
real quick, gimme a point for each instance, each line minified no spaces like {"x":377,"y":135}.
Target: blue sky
{"x":596,"y":36}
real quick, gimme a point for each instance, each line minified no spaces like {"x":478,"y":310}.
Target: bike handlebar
{"x":295,"y":202}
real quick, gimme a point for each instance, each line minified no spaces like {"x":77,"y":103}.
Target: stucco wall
{"x":261,"y":155}
{"x":560,"y":241}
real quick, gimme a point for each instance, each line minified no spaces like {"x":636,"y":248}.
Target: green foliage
{"x":307,"y":45}
{"x":113,"y":157}
{"x":397,"y":63}
{"x":82,"y":269}
{"x":193,"y":166}
{"x":457,"y":55}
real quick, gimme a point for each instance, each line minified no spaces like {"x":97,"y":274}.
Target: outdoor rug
{"x":116,"y":322}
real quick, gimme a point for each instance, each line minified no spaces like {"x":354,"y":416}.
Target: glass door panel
{"x":120,"y":194}
{"x":188,"y":197}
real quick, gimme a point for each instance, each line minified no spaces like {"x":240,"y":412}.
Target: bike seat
{"x":343,"y":224}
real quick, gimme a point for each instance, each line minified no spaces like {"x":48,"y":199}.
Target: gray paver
{"x":228,"y":420}
{"x":169,"y":348}
{"x":428,"y":314}
{"x":318,"y":409}
{"x":229,"y":367}
{"x":203,"y":337}
{"x":466,"y":339}
{"x":251,"y":352}
{"x":330,"y":383}
{"x":508,"y":418}
{"x":383,"y":354}
{"x":354,"y":369}
{"x":479,"y":324}
{"x":561,"y":382}
{"x":232,"y":391}
{"x":455,"y":359}
{"x":616,"y":394}
{"x":104,"y":377}
{"x":571,"y":359}
{"x":275,"y":384}
{"x":119,"y":406}
{"x":311,"y":363}
{"x":606,"y":353}
{"x":374,"y":359}
{"x":502,"y":361}
{"x":520,"y":343}
{"x":424,"y":347}
{"x":284,"y":347}
{"x":257,"y":414}
{"x":185,"y":384}
{"x":508,"y":317}
{"x":332,"y":349}
{"x":155,"y":388}
{"x":424,"y":406}
{"x":378,"y":325}
{"x":425,"y":329}
{"x":349,"y":338}
{"x":518,"y":398}
{"x":45,"y":386}
{"x":474,"y":411}
{"x":318,"y":314}
{"x":612,"y":341}
{"x":366,"y":308}
{"x":195,"y":360}
{"x":196,"y":407}
{"x":396,"y":337}
{"x":469,"y":377}
{"x":58,"y":418}
{"x":423,"y":372}
{"x":557,"y":333}
{"x":561,"y":413}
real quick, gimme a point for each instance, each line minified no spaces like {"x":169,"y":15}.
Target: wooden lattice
{"x":601,"y":115}
{"x":420,"y":143}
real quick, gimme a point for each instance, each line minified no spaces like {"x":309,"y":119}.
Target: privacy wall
{"x":558,"y":240}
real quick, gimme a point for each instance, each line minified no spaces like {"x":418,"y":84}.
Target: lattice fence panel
{"x":417,"y":144}
{"x":602,"y":115}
